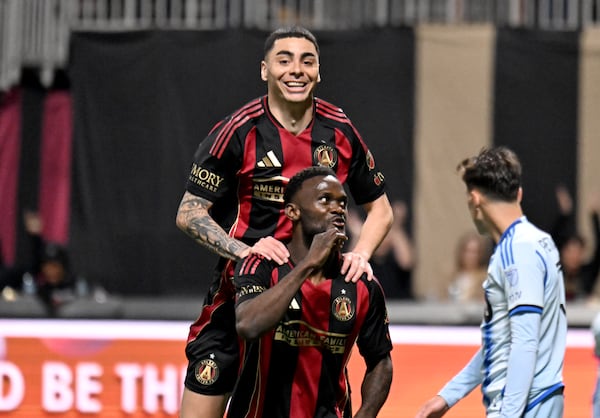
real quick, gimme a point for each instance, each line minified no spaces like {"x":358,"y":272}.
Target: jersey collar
{"x":509,"y":230}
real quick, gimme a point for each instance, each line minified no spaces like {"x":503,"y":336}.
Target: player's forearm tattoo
{"x":203,"y":229}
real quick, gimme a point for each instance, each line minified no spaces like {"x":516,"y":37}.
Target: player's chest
{"x":275,"y":151}
{"x":332,"y":308}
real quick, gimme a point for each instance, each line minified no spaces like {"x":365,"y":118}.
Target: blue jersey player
{"x":519,"y":365}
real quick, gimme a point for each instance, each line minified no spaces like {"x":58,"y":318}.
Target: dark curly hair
{"x":300,"y":177}
{"x":496,"y":172}
{"x":290,"y":32}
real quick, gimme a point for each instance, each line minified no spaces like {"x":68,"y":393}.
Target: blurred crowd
{"x":47,"y":278}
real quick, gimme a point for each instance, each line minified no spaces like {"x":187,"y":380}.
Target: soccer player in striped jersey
{"x":302,"y":318}
{"x":524,"y":328}
{"x":233,"y":203}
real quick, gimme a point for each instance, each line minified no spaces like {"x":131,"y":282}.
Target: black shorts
{"x":213,"y":349}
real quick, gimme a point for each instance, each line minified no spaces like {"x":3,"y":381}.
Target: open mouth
{"x":339,"y":223}
{"x":295,"y":84}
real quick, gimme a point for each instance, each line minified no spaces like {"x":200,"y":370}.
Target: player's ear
{"x":263,"y":70}
{"x":292,"y":211}
{"x":520,"y":194}
{"x":475,"y":198}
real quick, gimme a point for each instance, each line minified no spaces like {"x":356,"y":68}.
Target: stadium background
{"x":106,"y":159}
{"x":102,"y":145}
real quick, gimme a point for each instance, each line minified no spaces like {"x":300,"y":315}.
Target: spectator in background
{"x":580,"y":275}
{"x":393,"y":261}
{"x":49,"y":276}
{"x":472,"y":255}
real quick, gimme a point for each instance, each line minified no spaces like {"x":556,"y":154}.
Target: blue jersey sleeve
{"x":525,"y":331}
{"x":464,"y":382}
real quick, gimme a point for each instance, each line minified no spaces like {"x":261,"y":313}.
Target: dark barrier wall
{"x":143,"y":101}
{"x":536,"y":111}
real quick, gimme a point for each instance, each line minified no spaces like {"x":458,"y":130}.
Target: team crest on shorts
{"x":325,"y":156}
{"x":342,"y":308}
{"x":207,"y":372}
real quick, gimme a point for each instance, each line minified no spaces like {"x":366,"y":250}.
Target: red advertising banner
{"x":134,"y":369}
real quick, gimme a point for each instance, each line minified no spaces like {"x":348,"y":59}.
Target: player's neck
{"x":501,"y":217}
{"x":294,"y":117}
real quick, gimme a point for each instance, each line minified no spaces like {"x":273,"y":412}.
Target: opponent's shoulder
{"x":529,"y":237}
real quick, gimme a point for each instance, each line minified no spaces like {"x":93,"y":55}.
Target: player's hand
{"x":354,"y":265}
{"x":323,"y":244}
{"x":271,"y":249}
{"x":436,"y":407}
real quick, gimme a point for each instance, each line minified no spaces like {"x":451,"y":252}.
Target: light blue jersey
{"x":524,"y":328}
{"x":596,"y":333}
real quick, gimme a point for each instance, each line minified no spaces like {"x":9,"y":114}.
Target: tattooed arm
{"x":193,"y":219}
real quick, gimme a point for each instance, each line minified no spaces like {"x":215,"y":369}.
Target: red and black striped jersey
{"x":297,"y":369}
{"x":245,"y":162}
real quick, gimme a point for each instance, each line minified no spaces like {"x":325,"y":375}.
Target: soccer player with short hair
{"x":302,"y":318}
{"x":524,"y":328}
{"x":233,"y":203}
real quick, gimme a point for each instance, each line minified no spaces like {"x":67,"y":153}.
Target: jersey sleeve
{"x":525,"y":330}
{"x":365,"y":180}
{"x":524,"y":279}
{"x":216,"y":162}
{"x":252,"y":277}
{"x":374,"y":340}
{"x":463,"y":382}
{"x":595,"y":328}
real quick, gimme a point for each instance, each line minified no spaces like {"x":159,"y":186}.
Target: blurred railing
{"x":35,"y":33}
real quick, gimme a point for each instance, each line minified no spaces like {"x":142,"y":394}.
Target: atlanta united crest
{"x":207,"y":372}
{"x":325,"y":156}
{"x":342,"y":308}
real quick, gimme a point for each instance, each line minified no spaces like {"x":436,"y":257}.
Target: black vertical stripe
{"x":535,"y":112}
{"x":282,"y":367}
{"x":339,"y":288}
{"x":29,"y":167}
{"x":267,"y":139}
{"x":370,"y":74}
